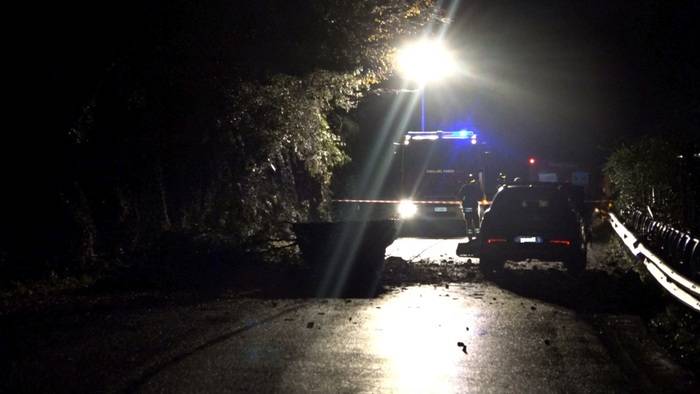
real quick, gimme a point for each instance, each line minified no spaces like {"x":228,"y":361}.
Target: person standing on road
{"x":470,"y":193}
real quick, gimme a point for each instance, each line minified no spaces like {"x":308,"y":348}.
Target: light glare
{"x":425,"y":61}
{"x":407,"y":209}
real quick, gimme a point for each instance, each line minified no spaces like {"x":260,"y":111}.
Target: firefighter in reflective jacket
{"x":470,"y":193}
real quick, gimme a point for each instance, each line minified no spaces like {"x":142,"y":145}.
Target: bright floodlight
{"x":425,"y":61}
{"x":407,"y":209}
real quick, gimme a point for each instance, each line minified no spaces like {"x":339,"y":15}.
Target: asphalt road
{"x":405,"y":341}
{"x":477,"y":336}
{"x":428,"y":250}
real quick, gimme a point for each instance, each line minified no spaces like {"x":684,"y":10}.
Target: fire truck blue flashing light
{"x":458,"y":135}
{"x":445,"y":135}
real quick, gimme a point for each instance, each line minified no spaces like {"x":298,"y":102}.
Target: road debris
{"x":463,"y":346}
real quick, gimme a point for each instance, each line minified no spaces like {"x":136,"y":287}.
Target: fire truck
{"x":445,"y":181}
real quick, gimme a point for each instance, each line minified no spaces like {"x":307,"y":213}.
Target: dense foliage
{"x":660,"y":175}
{"x":221,"y":121}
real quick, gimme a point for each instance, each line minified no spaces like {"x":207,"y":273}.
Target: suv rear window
{"x":539,"y":201}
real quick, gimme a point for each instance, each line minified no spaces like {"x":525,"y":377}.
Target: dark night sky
{"x":570,"y":80}
{"x":557,"y":78}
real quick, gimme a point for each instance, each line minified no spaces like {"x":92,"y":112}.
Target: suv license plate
{"x":440,"y":209}
{"x":528,"y":240}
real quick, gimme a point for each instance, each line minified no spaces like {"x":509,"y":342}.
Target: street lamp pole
{"x":423,"y":62}
{"x":422,"y":109}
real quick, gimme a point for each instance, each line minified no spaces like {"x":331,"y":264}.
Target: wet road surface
{"x":405,"y":341}
{"x":428,"y":250}
{"x":523,"y":332}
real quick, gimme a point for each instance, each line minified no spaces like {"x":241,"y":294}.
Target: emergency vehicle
{"x":442,"y":181}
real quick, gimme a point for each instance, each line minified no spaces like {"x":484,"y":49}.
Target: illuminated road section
{"x":427,"y":250}
{"x":408,"y":340}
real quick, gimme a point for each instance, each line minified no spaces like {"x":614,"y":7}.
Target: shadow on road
{"x":593,"y":291}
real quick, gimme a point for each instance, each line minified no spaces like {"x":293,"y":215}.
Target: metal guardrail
{"x":680,"y":286}
{"x":677,"y":248}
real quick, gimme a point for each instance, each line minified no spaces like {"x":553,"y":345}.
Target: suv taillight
{"x":563,"y":242}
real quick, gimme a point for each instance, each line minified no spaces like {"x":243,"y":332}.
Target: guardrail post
{"x":695,"y":260}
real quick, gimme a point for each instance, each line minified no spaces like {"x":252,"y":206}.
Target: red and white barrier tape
{"x":445,"y":202}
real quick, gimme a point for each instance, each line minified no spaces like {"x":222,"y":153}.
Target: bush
{"x":659,"y":174}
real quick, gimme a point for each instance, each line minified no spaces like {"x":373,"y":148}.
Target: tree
{"x":213,"y":121}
